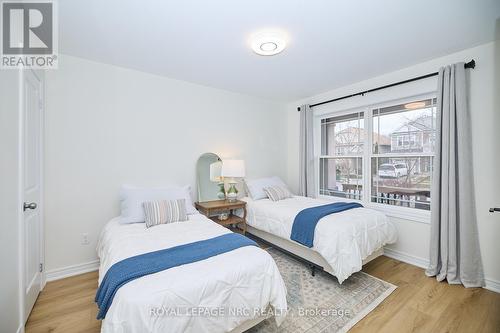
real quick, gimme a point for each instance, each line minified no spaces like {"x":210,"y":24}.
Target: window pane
{"x":405,"y":128}
{"x":341,"y":177}
{"x":402,"y":181}
{"x":343,"y":135}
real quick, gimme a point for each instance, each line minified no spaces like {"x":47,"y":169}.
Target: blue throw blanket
{"x":306,"y":220}
{"x":149,"y":263}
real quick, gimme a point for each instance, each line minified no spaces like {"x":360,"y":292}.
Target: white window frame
{"x":407,"y":213}
{"x":335,"y":156}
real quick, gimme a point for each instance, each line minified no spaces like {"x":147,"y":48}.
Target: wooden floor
{"x":419,"y":304}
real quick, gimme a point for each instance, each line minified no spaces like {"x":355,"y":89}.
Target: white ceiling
{"x":332,"y":43}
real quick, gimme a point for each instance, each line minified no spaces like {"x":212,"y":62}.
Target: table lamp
{"x":232,"y":169}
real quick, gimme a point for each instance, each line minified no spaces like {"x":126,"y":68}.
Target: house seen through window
{"x":383,"y":156}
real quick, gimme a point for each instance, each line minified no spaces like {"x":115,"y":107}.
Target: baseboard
{"x":64,"y":272}
{"x":407,"y":258}
{"x":491,"y":284}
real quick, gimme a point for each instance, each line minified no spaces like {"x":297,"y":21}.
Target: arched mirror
{"x":210,"y":181}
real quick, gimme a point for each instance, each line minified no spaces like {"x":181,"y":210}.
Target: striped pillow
{"x":164,"y":211}
{"x":276,"y":193}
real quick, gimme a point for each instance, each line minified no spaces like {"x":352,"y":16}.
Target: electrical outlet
{"x":85,"y":239}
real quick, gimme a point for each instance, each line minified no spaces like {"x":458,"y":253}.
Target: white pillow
{"x":255,"y":187}
{"x":132,"y":199}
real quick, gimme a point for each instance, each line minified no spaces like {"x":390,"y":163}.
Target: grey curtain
{"x":454,"y":251}
{"x":306,"y":153}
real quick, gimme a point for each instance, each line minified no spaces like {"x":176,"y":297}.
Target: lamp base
{"x":232,"y":193}
{"x":231,"y":198}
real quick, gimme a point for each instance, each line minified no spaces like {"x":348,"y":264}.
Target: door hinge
{"x":40,"y":267}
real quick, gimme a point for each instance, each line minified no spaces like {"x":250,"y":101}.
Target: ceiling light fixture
{"x":268,"y":47}
{"x":268,"y":43}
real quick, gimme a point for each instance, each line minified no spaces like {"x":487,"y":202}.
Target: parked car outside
{"x":392,"y":170}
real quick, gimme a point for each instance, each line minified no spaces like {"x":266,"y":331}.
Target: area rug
{"x":319,"y":303}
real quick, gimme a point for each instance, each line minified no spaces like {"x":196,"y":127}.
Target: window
{"x":341,"y":164}
{"x":398,"y":161}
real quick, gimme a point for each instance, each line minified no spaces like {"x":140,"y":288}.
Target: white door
{"x":32,"y":108}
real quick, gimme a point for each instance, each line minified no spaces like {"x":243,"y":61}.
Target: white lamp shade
{"x":233,"y":168}
{"x":216,"y":171}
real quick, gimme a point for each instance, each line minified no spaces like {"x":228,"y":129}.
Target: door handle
{"x":30,"y":205}
{"x":496,"y":209}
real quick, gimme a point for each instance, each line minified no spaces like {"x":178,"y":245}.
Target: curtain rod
{"x":470,"y":64}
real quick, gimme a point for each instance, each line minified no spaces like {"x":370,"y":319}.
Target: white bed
{"x":343,"y":241}
{"x":221,"y":283}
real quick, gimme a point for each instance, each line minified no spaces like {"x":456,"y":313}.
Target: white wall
{"x":484,"y":103}
{"x":10,"y":205}
{"x":107,"y":125}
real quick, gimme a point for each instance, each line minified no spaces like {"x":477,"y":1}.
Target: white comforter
{"x":243,"y":280}
{"x":344,"y":239}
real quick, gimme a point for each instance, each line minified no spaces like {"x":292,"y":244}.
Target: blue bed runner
{"x":149,"y":263}
{"x":306,"y":220}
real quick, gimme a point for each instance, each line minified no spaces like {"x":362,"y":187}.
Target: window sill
{"x":411,"y":214}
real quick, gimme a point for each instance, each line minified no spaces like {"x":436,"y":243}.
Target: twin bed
{"x":233,"y":286}
{"x":235,"y":290}
{"x":343,"y":241}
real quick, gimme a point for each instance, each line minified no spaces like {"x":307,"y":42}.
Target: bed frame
{"x":248,"y":325}
{"x":313,"y":258}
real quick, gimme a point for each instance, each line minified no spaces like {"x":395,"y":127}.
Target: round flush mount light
{"x":268,"y":43}
{"x":268,"y":47}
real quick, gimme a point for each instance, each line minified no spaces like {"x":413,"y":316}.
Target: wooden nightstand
{"x":209,"y":208}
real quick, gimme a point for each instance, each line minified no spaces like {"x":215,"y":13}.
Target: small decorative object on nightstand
{"x":213,"y":209}
{"x":232,"y":169}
